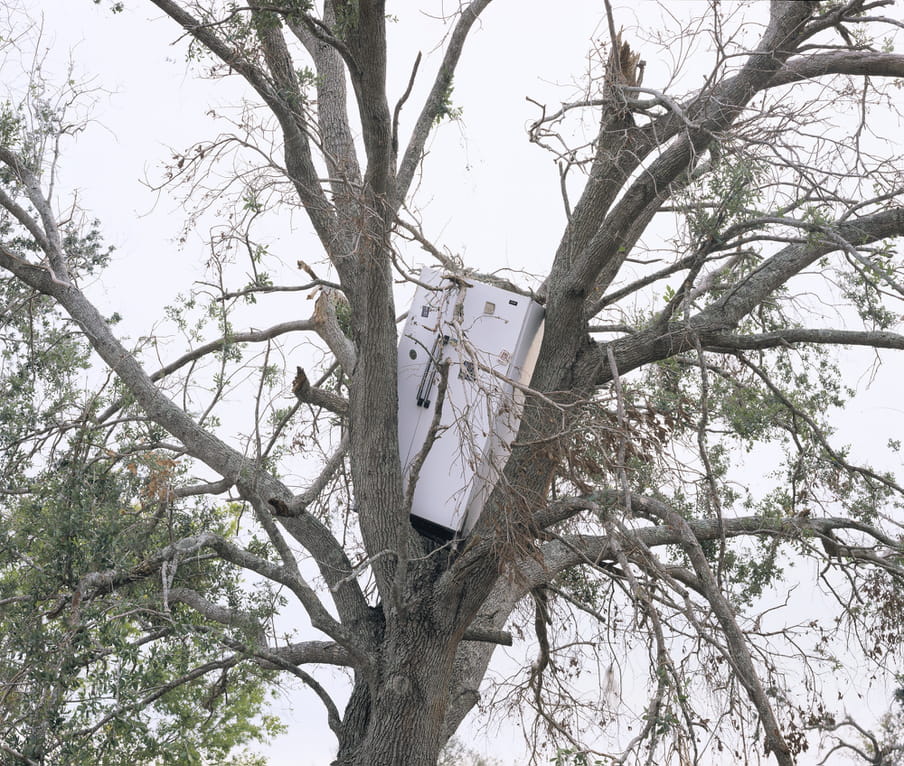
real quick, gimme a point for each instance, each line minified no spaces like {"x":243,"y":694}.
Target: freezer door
{"x":508,"y":406}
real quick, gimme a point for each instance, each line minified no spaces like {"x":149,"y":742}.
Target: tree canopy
{"x":687,"y":549}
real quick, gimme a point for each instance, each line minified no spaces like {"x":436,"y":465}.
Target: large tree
{"x":719,"y":245}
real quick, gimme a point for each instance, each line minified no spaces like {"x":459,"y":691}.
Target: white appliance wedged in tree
{"x":490,"y":337}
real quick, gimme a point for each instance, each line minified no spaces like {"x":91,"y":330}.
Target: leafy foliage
{"x":92,"y":675}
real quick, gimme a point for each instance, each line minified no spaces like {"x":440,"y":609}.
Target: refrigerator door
{"x":488,"y":336}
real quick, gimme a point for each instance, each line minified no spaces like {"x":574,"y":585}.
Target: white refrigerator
{"x":490,"y":337}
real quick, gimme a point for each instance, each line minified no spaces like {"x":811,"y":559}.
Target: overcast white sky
{"x":487,"y":194}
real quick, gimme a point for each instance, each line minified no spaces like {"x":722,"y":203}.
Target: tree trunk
{"x":397,"y":717}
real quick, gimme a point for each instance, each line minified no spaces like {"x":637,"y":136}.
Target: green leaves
{"x":727,"y":194}
{"x":96,"y":676}
{"x":446,"y":109}
{"x":116,"y":6}
{"x":88,"y":674}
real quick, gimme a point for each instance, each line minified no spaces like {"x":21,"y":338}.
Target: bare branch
{"x":224,"y":615}
{"x":319,"y":397}
{"x":854,"y":63}
{"x":326,"y":322}
{"x":438,"y":94}
{"x":49,"y":236}
{"x":488,"y":635}
{"x":726,"y":342}
{"x":250,"y":336}
{"x":299,"y":162}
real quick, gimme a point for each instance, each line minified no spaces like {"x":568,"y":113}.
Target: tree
{"x":883,"y":747}
{"x":664,"y":358}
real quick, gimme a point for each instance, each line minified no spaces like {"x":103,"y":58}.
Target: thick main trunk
{"x":398,"y":718}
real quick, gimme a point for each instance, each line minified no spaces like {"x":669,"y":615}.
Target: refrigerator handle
{"x":423,"y":390}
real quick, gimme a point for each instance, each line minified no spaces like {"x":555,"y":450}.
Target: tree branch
{"x":224,"y":615}
{"x":326,"y":322}
{"x":433,"y":106}
{"x":49,"y":237}
{"x":862,"y":63}
{"x":253,"y":482}
{"x":739,"y":652}
{"x":741,"y":299}
{"x":250,"y":336}
{"x":305,"y":392}
{"x":722,"y":342}
{"x":299,"y":163}
{"x":332,"y":110}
